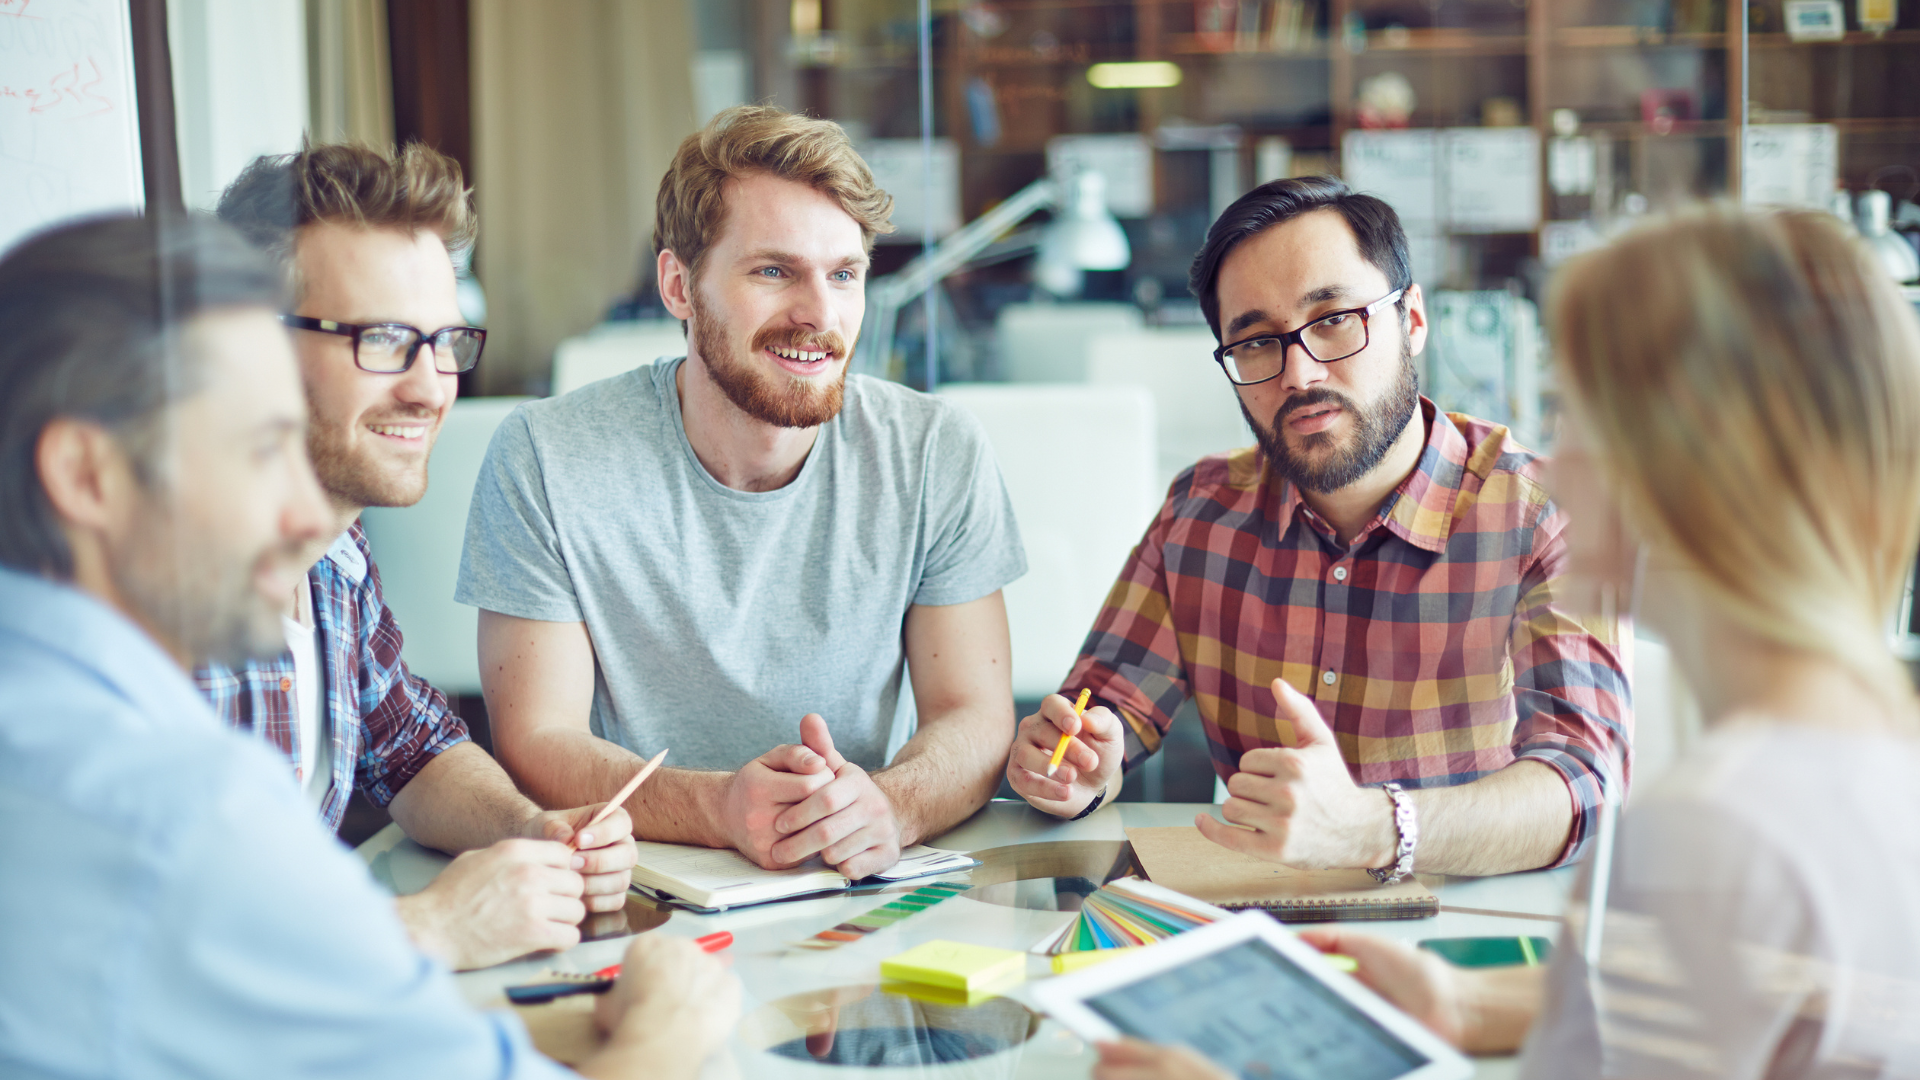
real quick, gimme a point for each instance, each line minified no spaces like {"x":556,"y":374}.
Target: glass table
{"x":805,"y":1010}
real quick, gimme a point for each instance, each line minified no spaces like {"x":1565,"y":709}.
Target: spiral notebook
{"x":1184,"y":861}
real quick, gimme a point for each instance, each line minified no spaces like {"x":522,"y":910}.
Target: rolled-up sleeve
{"x":1572,"y":698}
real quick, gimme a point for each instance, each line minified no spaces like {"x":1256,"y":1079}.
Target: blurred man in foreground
{"x":171,"y":908}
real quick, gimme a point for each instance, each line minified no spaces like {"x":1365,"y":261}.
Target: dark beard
{"x":794,"y":405}
{"x":1374,"y":430}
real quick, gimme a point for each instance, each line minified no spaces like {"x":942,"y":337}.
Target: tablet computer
{"x":1248,"y":995}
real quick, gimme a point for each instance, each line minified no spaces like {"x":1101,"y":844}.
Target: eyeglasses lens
{"x":385,"y":348}
{"x":456,"y":351}
{"x":1330,"y":339}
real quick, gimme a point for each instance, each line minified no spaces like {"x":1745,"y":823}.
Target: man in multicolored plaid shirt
{"x":365,"y":238}
{"x":1363,"y":601}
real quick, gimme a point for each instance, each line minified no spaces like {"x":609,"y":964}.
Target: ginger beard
{"x":774,"y":397}
{"x":1322,"y":463}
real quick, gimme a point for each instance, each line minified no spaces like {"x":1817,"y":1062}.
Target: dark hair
{"x":351,"y":184}
{"x":91,"y":311}
{"x":1375,"y":227}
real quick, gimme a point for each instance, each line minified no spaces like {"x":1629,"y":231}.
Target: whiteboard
{"x":69,"y":121}
{"x":1790,"y":165}
{"x":1492,"y":179}
{"x":1401,"y":167}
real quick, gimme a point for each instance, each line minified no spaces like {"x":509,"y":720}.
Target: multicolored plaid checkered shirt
{"x":385,"y":722}
{"x":1432,"y":643}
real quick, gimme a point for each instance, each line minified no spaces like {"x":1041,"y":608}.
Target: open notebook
{"x":1184,"y":861}
{"x":719,"y":878}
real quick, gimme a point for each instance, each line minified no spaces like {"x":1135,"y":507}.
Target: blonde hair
{"x":1752,"y":382}
{"x":691,"y":209}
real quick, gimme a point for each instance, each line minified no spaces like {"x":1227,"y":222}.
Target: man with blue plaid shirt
{"x":365,"y":238}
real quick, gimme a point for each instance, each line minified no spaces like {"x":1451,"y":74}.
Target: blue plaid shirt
{"x":385,"y":722}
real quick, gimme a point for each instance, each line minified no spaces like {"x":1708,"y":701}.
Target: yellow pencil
{"x":1060,"y":751}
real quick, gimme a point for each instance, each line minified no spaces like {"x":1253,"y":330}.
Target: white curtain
{"x":349,"y":76}
{"x":577,"y":109}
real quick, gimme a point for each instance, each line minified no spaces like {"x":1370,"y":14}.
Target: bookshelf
{"x":1666,"y":90}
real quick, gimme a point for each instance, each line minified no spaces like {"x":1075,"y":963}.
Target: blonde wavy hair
{"x":1752,"y":384}
{"x":690,"y":209}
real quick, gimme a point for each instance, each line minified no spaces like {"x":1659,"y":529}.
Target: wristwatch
{"x":1408,"y":826}
{"x":1092,"y":806}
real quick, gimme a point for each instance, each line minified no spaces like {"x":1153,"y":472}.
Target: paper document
{"x":721,"y":877}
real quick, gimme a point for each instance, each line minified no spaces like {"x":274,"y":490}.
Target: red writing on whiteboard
{"x":72,"y":92}
{"x":15,"y":8}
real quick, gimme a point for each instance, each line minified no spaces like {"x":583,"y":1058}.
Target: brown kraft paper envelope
{"x":1184,"y":861}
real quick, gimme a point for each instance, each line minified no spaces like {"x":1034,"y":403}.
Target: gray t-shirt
{"x":719,"y":617}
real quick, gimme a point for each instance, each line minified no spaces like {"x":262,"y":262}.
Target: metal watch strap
{"x":1408,"y":826}
{"x":1092,"y":806}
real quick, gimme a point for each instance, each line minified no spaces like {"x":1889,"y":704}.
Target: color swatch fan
{"x":1126,"y":913}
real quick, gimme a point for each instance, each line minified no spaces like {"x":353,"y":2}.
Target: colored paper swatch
{"x":884,"y":916}
{"x":1125,"y":914}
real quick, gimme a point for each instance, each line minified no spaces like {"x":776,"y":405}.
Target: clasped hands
{"x":805,"y":799}
{"x":1296,"y":805}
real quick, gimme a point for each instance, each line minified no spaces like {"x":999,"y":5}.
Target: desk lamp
{"x":1083,"y":236}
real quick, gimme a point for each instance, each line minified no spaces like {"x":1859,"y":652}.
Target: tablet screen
{"x":1252,"y":1011}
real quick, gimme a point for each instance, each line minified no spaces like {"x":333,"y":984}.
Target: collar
{"x":349,"y":553}
{"x":1423,"y":508}
{"x":68,"y":622}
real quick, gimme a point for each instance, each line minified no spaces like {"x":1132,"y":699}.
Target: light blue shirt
{"x":169,"y":907}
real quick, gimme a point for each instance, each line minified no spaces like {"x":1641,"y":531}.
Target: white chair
{"x":418,"y":551}
{"x":1079,"y":467}
{"x":1047,"y":343}
{"x":1666,"y":717}
{"x":1198,"y":411}
{"x":614,"y":348}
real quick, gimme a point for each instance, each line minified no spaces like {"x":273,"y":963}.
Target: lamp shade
{"x":1083,"y":236}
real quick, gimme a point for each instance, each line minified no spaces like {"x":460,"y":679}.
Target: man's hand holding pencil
{"x":603,"y":853}
{"x":1094,"y":744}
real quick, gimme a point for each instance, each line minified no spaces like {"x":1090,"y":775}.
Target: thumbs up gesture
{"x":1298,"y":804}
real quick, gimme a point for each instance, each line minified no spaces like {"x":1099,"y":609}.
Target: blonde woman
{"x":1741,"y":452}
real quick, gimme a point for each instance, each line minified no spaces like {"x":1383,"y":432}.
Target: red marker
{"x":710,"y":943}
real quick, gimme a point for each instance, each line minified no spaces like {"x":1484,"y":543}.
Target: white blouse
{"x":1763,"y":922}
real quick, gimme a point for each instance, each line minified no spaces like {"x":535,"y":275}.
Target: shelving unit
{"x":1030,"y":57}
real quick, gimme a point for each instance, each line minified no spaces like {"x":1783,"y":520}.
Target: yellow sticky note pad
{"x":955,"y":965}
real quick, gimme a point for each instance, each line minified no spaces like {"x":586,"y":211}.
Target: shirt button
{"x":1339,"y":573}
{"x":1327,"y":678}
{"x":286,"y":685}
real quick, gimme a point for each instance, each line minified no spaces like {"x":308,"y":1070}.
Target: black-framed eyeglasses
{"x":389,"y":348}
{"x":1333,"y":336}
